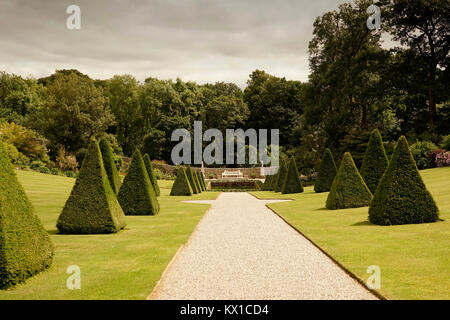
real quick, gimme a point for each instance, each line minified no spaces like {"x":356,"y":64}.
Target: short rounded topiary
{"x":192,"y":180}
{"x":327,"y":172}
{"x":375,"y":161}
{"x":348,"y":189}
{"x":151,"y":174}
{"x":109,"y":164}
{"x":25,"y":247}
{"x":92,"y":206}
{"x":181,"y":185}
{"x":136,"y":195}
{"x":281,"y":176}
{"x":401,"y":196}
{"x":292,"y":182}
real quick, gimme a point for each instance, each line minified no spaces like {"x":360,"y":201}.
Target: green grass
{"x":414,"y":259}
{"x":126,"y":265}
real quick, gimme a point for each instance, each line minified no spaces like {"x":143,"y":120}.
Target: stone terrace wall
{"x":215,"y":172}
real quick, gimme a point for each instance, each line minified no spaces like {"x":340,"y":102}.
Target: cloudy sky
{"x":200,"y":40}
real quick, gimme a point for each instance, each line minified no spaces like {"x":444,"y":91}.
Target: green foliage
{"x":25,"y":247}
{"x":44,"y":170}
{"x":326,"y":174}
{"x":191,"y":179}
{"x":292,"y":182}
{"x":356,"y":142}
{"x":109,"y":164}
{"x":151,"y":174}
{"x":202,"y":178}
{"x":92,"y":207}
{"x":11,"y":151}
{"x":349,"y":189}
{"x":200,"y":181}
{"x":136,"y":195}
{"x":401,"y":196}
{"x":375,"y":162}
{"x":181,"y":185}
{"x":420,"y":151}
{"x":267,"y":183}
{"x":197,"y":181}
{"x":281,"y":176}
{"x":446,"y":143}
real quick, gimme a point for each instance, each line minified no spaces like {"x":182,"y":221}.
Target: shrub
{"x":267,"y":183}
{"x":420,"y":152}
{"x":70,"y":174}
{"x":443,"y":159}
{"x":66,"y":161}
{"x":211,"y":176}
{"x":44,"y":170}
{"x":191,"y":179}
{"x":252,"y":176}
{"x":401,"y":196}
{"x":151,"y":174}
{"x":348,"y":189}
{"x":201,"y":180}
{"x":35,"y":165}
{"x":109,"y":164}
{"x":292,"y":182}
{"x":446,"y":143}
{"x":136,"y":195}
{"x":197,"y":181}
{"x":25,"y":247}
{"x":281,"y":176}
{"x":432,"y":158}
{"x":327,"y":172}
{"x":23,"y":160}
{"x":55,"y":172}
{"x":181,"y":186}
{"x":375,"y":162}
{"x":92,"y":206}
{"x":11,"y":151}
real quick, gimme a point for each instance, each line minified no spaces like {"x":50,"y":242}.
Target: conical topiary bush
{"x":181,"y":186}
{"x":203,"y":180}
{"x":109,"y":164}
{"x":191,"y":179}
{"x":136,"y":195}
{"x":151,"y":174}
{"x":375,"y":161}
{"x":92,"y":206}
{"x":25,"y":247}
{"x":197,"y":181}
{"x":401,"y":196}
{"x":200,"y":180}
{"x":267,"y":183}
{"x":292,"y":182}
{"x":327,"y":172}
{"x":349,"y":189}
{"x":273,"y":182}
{"x":281,"y":176}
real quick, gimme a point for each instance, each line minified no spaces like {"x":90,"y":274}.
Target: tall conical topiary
{"x":200,"y":180}
{"x":92,"y":206}
{"x":137,"y":196}
{"x":181,"y":186}
{"x":191,"y":179}
{"x":273,"y":182}
{"x":197,"y":181}
{"x":292,"y":182}
{"x":202,"y":177}
{"x":401,"y":196}
{"x":349,"y":189}
{"x":151,"y":174}
{"x":375,"y":161}
{"x":327,"y":172}
{"x":25,"y":247}
{"x":267,"y":183}
{"x":281,"y":176}
{"x":109,"y":164}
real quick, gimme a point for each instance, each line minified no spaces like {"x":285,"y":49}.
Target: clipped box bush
{"x":268,"y":183}
{"x":151,"y":174}
{"x":292,"y":182}
{"x":92,"y":207}
{"x":25,"y":247}
{"x":110,"y":165}
{"x":327,"y":172}
{"x":348,"y":189}
{"x":281,"y":176}
{"x":375,"y":161}
{"x":136,"y":195}
{"x":192,"y":182}
{"x":181,"y":185}
{"x":402,"y":197}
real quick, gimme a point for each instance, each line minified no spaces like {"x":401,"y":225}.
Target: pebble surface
{"x":242,"y":250}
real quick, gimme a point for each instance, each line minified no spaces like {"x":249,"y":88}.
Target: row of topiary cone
{"x":286,"y":180}
{"x":98,"y":202}
{"x":188,"y":182}
{"x":394,"y":189}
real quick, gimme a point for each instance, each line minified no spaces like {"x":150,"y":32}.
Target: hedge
{"x":110,"y":165}
{"x":348,"y":189}
{"x":402,"y":197}
{"x":281,"y":176}
{"x":92,"y":206}
{"x":181,"y":185}
{"x":137,"y":196}
{"x":327,"y":172}
{"x":292,"y":182}
{"x":25,"y":247}
{"x":151,"y":174}
{"x":375,"y":161}
{"x":191,"y":179}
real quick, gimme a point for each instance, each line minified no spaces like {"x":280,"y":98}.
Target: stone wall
{"x":215,"y":173}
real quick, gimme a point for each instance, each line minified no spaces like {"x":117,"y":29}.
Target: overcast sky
{"x":200,"y":40}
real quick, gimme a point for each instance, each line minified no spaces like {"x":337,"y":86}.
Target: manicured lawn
{"x":414,"y":259}
{"x":126,"y":265}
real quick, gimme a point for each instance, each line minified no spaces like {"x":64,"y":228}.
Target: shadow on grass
{"x":363,"y":223}
{"x":322,"y":209}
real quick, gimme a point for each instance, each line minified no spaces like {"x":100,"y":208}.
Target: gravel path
{"x":242,"y":250}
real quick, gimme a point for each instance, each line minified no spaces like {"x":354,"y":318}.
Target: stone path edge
{"x":348,"y":272}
